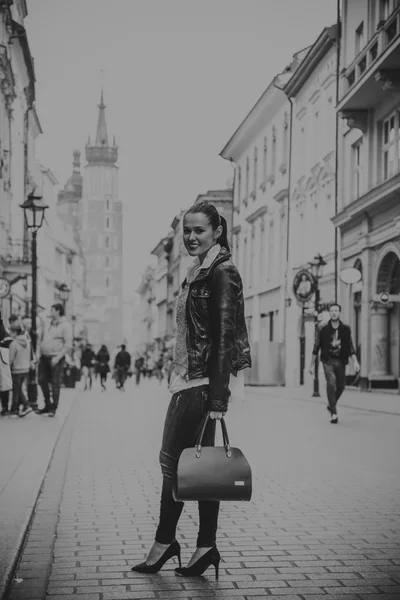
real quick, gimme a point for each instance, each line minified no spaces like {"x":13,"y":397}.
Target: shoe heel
{"x":178,"y":554}
{"x":216,"y":565}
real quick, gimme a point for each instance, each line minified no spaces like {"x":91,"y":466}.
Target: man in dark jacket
{"x":122,"y":365}
{"x":87,"y":365}
{"x":336,"y":346}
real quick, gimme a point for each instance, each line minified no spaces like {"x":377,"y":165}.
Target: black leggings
{"x":183,"y":422}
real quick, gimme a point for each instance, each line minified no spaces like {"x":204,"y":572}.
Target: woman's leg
{"x":183,"y":422}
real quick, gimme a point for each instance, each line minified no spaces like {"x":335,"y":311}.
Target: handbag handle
{"x":224,"y":437}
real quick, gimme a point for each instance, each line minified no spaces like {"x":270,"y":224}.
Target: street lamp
{"x":34,"y":209}
{"x":317,"y":268}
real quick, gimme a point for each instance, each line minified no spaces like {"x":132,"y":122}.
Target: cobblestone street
{"x":324,"y":520}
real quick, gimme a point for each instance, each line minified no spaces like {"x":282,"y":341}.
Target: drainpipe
{"x":338,"y":47}
{"x":286,"y":274}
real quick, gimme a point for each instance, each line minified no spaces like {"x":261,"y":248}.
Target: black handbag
{"x":212,"y":472}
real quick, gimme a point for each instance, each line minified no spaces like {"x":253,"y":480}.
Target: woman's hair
{"x":214,"y":218}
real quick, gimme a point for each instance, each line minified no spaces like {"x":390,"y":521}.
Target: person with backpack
{"x":20,"y":360}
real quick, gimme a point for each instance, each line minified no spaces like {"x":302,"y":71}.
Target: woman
{"x":103,"y":358}
{"x":211,"y":348}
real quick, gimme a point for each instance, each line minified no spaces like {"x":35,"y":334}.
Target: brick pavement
{"x":323,"y":522}
{"x":26,"y":446}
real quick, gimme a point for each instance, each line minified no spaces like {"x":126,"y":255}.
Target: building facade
{"x":312,"y":92}
{"x":369,"y":182}
{"x":259,"y":149}
{"x":148,"y":311}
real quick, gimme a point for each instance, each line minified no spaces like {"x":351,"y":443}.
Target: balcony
{"x":374,"y":71}
{"x":15,"y":257}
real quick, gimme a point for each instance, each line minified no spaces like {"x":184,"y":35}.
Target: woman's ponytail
{"x":223,"y":238}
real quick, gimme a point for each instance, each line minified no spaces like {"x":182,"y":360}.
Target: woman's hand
{"x":217,"y":415}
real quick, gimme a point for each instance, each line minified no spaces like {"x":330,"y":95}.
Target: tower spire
{"x":101,"y":135}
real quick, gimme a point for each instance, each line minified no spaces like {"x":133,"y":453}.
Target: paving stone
{"x":316,"y":528}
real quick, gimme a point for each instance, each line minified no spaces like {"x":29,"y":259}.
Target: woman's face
{"x":198,"y":234}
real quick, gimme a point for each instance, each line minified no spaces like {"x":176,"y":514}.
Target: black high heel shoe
{"x":212,"y":557}
{"x":173,"y":550}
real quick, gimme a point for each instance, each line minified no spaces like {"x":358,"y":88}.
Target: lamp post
{"x":34,"y":209}
{"x":317,"y":268}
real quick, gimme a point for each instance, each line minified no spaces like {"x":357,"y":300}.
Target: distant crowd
{"x":60,"y":362}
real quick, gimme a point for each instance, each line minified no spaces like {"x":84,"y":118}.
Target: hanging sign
{"x":4,"y":287}
{"x":304,"y":285}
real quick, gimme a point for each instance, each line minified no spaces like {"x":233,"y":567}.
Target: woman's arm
{"x":226,"y":285}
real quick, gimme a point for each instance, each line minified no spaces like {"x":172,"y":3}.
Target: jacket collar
{"x":222,"y":256}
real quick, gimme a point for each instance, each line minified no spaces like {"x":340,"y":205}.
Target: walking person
{"x":20,"y":361}
{"x":139,"y":362}
{"x":87,"y":365}
{"x":56,"y":343}
{"x":335,"y":343}
{"x":122,"y":365}
{"x":211,"y":350}
{"x":103,"y":367}
{"x":5,"y":372}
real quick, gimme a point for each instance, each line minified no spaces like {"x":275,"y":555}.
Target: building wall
{"x":369,"y":182}
{"x":259,"y":231}
{"x":312,"y":203}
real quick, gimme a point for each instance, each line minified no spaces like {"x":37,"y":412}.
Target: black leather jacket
{"x":217,"y":342}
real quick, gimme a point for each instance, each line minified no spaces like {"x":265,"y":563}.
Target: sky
{"x":179,"y":76}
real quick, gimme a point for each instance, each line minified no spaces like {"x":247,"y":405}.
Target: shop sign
{"x":304,"y":285}
{"x":4,"y":287}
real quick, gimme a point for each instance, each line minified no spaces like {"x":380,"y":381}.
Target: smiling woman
{"x":211,"y":351}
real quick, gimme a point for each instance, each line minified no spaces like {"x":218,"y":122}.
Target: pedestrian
{"x":103,"y":367}
{"x":87,"y":365}
{"x":139,"y":362}
{"x":20,"y":360}
{"x":160,"y":369}
{"x":122,"y":365}
{"x":211,"y":350}
{"x":335,"y":343}
{"x":5,"y":372}
{"x":56,"y":343}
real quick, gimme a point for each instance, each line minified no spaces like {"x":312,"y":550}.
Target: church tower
{"x":101,"y":235}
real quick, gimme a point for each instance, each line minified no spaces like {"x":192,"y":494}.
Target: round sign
{"x":304,"y":285}
{"x":384,"y":297}
{"x":4,"y":287}
{"x":350,"y":275}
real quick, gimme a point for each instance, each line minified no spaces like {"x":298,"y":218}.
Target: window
{"x":247,"y":176}
{"x":108,"y":204}
{"x":390,"y":146}
{"x":357,"y":168}
{"x":108,"y":223}
{"x":360,"y":38}
{"x":107,"y":281}
{"x":107,"y":241}
{"x":270,"y":255}
{"x":265,"y":157}
{"x":273,"y":152}
{"x":107,"y":262}
{"x":255,"y":170}
{"x":239,"y":185}
{"x":271,"y":326}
